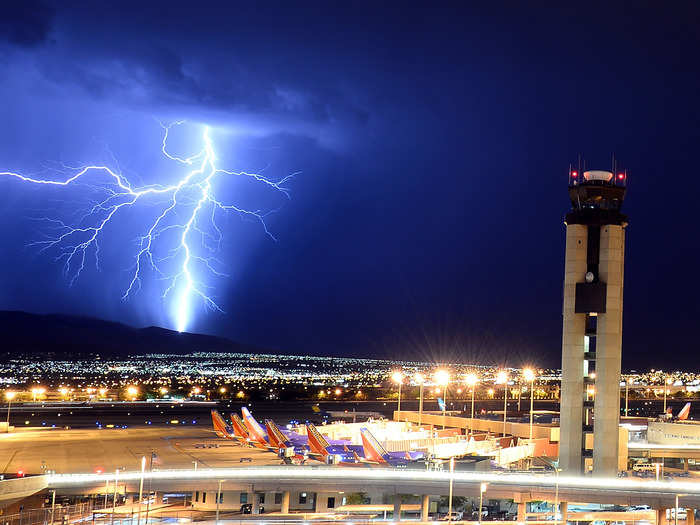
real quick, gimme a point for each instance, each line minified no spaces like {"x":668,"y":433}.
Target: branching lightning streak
{"x":185,"y":204}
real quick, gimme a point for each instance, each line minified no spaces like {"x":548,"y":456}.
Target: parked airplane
{"x":375,"y":452}
{"x":684,"y":413}
{"x":291,"y":445}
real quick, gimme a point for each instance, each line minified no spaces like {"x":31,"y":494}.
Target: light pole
{"x":420,"y":379}
{"x":143,"y":471}
{"x":452,"y":471}
{"x":471,"y":381}
{"x":502,"y":377}
{"x":9,"y":396}
{"x":114,"y":499}
{"x":556,"y":494}
{"x":218,"y":498}
{"x":397,"y":377}
{"x":482,"y":489}
{"x":442,"y":377}
{"x":627,"y":394}
{"x":529,"y":375}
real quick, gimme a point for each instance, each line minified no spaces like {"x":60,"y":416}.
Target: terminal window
{"x":244,"y":497}
{"x":278,"y":498}
{"x":331,"y":502}
{"x":302,"y":498}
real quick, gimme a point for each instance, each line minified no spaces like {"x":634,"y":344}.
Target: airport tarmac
{"x":79,"y":450}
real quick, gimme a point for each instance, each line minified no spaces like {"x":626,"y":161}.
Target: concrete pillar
{"x":573,"y":331}
{"x":690,"y":520}
{"x":319,"y":502}
{"x":685,"y":464}
{"x":661,"y":516}
{"x":609,"y":353}
{"x":522,"y":512}
{"x":564,"y":511}
{"x":425,"y":508}
{"x":397,"y":507}
{"x":285,"y":502}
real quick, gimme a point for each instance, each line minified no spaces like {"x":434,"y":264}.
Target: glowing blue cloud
{"x":184,"y":233}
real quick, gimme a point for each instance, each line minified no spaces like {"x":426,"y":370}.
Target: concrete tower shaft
{"x":592,"y":322}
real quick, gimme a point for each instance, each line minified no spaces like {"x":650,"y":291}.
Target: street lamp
{"x":442,"y":377}
{"x":132,"y":391}
{"x":529,"y":375}
{"x":420,"y":379}
{"x":471,"y":381}
{"x":502,"y":377}
{"x":397,"y":377}
{"x":9,"y":396}
{"x":667,"y":382}
{"x":37,"y":391}
{"x":482,"y":489}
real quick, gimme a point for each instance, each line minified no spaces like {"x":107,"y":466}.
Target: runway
{"x":105,"y":450}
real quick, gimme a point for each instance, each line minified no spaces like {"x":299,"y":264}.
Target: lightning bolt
{"x":187,"y":213}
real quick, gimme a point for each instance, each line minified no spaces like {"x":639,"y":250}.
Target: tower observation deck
{"x":592,"y":321}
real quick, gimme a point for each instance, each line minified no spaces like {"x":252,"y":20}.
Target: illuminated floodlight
{"x":502,"y":376}
{"x":419,"y":378}
{"x":471,"y":379}
{"x":10,"y":395}
{"x":442,"y":377}
{"x":397,"y":376}
{"x":529,"y":374}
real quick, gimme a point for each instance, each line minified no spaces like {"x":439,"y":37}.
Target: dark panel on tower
{"x":590,"y":298}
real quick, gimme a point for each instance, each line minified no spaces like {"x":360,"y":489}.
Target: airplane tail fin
{"x":254,"y":429}
{"x":220,"y":426}
{"x":684,"y":413}
{"x":374,"y":450}
{"x":277,"y":439}
{"x":239,"y":428}
{"x":317,"y":443}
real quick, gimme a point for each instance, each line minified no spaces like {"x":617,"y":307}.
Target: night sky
{"x":433,"y":146}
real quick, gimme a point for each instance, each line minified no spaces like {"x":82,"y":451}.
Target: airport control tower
{"x":592,"y":331}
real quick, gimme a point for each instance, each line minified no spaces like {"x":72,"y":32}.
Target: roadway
{"x":520,"y":487}
{"x":74,"y":451}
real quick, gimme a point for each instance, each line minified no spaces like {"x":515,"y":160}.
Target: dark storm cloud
{"x":26,"y":23}
{"x":148,"y":58}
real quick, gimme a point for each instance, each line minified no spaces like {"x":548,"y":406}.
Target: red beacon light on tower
{"x":620,"y":176}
